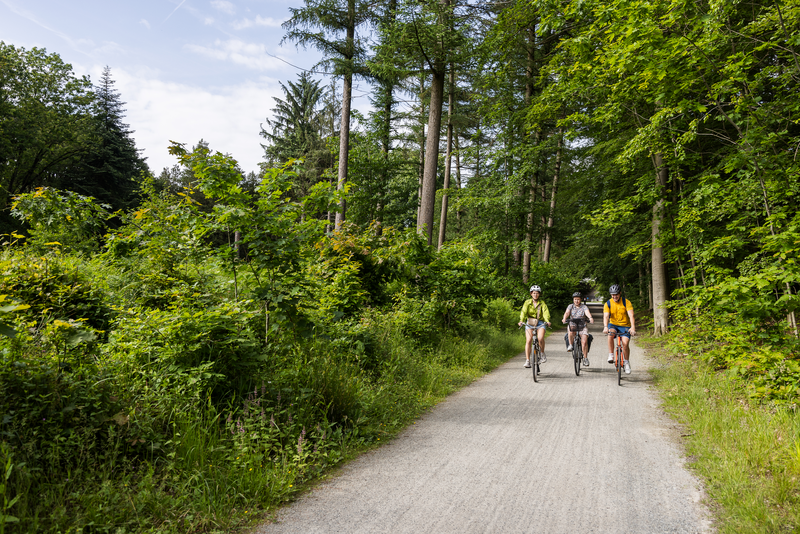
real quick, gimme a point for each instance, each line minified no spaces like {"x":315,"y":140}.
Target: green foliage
{"x":298,"y":131}
{"x":56,"y":131}
{"x":46,"y":119}
{"x":761,"y":356}
{"x":501,"y":314}
{"x":6,"y":316}
{"x":53,"y":287}
{"x":251,"y":372}
{"x":747,"y":453}
{"x":61,"y":219}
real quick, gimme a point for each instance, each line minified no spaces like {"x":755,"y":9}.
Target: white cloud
{"x":224,"y":6}
{"x":145,"y":23}
{"x":108,"y":48}
{"x":268,"y":22}
{"x":253,"y":56}
{"x":227,"y":117}
{"x":208,"y":21}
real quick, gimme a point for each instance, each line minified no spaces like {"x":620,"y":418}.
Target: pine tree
{"x":330,"y":27}
{"x":110,"y":170}
{"x":297,"y":130}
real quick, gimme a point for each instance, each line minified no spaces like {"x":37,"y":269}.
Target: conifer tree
{"x":330,"y":27}
{"x":111,"y":168}
{"x":297,"y":130}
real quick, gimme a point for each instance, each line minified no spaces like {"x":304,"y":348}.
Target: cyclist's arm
{"x":589,"y":315}
{"x":633,"y":322}
{"x":606,"y":316}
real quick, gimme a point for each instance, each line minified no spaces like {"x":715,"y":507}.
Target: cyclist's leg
{"x":625,"y":346}
{"x":612,"y":331}
{"x":540,"y":335}
{"x":571,"y":335}
{"x":585,"y":344}
{"x":528,"y":342}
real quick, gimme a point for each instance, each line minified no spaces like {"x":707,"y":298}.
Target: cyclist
{"x":535,"y":315}
{"x":618,"y":320}
{"x":578,"y":313}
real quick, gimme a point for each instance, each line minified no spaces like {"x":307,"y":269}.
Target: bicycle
{"x":619,"y":356}
{"x":576,"y":325}
{"x":535,"y":355}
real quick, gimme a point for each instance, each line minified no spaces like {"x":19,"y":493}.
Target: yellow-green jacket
{"x":540,"y":311}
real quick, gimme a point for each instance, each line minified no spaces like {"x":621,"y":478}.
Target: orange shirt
{"x":618,"y":311}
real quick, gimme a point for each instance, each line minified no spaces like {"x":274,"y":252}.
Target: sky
{"x":186,"y":69}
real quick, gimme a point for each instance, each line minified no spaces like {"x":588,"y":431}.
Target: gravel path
{"x":506,"y":455}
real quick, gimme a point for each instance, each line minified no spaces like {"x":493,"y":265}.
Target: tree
{"x":336,"y":22}
{"x":46,"y":120}
{"x":297,"y":131}
{"x":110,"y":171}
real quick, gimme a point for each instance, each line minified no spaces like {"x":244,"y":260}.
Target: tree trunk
{"x":344,"y":135}
{"x":459,"y":213}
{"x":237,"y":240}
{"x":660,"y":289}
{"x":428,"y":200}
{"x":421,"y":170}
{"x":548,"y":235}
{"x":529,"y":71}
{"x":448,"y":157}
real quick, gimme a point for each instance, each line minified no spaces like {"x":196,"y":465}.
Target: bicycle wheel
{"x":577,"y":356}
{"x":535,"y":362}
{"x":620,"y":364}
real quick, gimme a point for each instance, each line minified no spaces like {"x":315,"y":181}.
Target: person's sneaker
{"x":569,"y":348}
{"x":542,"y":357}
{"x":586,"y":362}
{"x":527,"y":364}
{"x":627,"y":367}
{"x":611,"y":358}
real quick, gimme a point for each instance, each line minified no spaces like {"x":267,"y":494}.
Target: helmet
{"x":577,"y":294}
{"x":536,"y":288}
{"x":614,"y":290}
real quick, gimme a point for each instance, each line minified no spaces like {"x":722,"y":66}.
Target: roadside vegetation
{"x":162,"y":377}
{"x":745,"y":449}
{"x":181,"y":351}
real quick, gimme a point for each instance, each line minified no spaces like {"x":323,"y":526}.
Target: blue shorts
{"x":621,"y":330}
{"x":541,"y":324}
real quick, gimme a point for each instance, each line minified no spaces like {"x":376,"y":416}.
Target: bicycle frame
{"x":619,"y":357}
{"x":535,"y":351}
{"x":577,"y":353}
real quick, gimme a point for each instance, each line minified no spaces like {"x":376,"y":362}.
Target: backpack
{"x":624,"y":303}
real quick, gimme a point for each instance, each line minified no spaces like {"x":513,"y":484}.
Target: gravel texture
{"x":570,"y":454}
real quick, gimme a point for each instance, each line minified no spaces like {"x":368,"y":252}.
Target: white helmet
{"x":536,"y":288}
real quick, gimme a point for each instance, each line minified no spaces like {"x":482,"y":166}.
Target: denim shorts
{"x":541,"y":324}
{"x":621,"y":330}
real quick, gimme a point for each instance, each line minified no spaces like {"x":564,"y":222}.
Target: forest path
{"x":571,"y":454}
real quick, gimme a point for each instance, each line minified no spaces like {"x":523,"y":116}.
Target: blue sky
{"x":187,"y":69}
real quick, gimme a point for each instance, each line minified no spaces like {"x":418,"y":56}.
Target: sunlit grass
{"x":748,"y":454}
{"x":219,"y":477}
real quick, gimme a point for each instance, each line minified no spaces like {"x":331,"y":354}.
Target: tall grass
{"x":225,"y":467}
{"x":747,"y":453}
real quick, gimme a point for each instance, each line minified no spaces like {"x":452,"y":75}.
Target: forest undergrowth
{"x":164,"y":373}
{"x":742,"y":426}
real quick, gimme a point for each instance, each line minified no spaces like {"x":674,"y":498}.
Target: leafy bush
{"x":56,"y":420}
{"x":762,"y":356}
{"x":65,"y":219}
{"x":53,"y":287}
{"x":500,"y":314}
